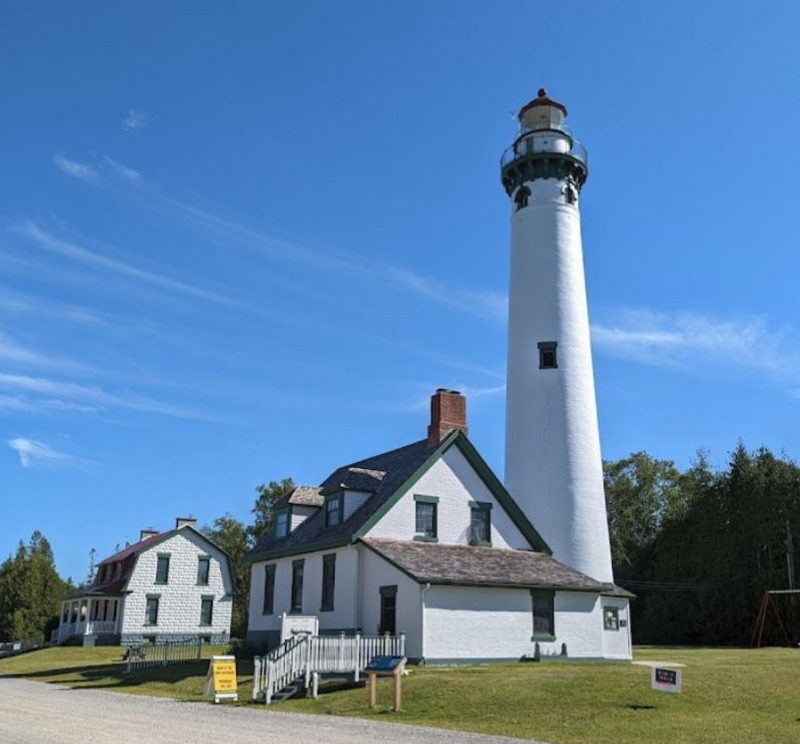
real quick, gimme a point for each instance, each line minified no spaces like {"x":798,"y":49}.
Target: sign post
{"x":221,"y":679}
{"x":386,"y":666}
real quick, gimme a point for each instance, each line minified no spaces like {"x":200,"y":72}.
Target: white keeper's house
{"x":170,"y":585}
{"x":425,"y":540}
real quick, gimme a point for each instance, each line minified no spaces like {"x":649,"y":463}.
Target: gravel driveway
{"x":39,"y":713}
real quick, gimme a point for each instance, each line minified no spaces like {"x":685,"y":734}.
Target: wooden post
{"x":398,"y":687}
{"x":372,"y":684}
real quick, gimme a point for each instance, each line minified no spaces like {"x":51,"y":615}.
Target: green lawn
{"x":729,"y":695}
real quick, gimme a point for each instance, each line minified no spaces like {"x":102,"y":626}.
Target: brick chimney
{"x":448,"y":412}
{"x":149,"y":532}
{"x":185,"y":522}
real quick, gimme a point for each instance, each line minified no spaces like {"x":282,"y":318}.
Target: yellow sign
{"x":221,"y":679}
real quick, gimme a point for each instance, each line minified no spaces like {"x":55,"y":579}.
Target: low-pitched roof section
{"x":389,"y":475}
{"x":465,"y":565}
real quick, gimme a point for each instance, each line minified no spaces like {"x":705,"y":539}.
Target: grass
{"x":729,"y":695}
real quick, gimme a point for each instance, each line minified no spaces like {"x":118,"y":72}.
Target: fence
{"x":161,"y":654}
{"x":304,"y":656}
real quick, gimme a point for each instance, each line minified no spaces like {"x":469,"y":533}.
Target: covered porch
{"x":96,"y":618}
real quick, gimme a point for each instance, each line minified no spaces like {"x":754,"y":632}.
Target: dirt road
{"x":38,"y":713}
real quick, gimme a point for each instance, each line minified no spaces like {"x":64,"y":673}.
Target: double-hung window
{"x":328,"y":582}
{"x":282,"y":519}
{"x":334,"y":506}
{"x":480,"y":523}
{"x":151,"y":610}
{"x":206,"y":610}
{"x":203,"y":568}
{"x":543,"y":615}
{"x":269,"y":589}
{"x":426,"y":527}
{"x":162,"y":568}
{"x":297,"y":586}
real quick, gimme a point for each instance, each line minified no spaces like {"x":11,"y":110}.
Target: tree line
{"x":698,"y":547}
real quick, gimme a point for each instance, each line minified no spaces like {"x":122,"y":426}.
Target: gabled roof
{"x":466,"y":565}
{"x":400,"y":469}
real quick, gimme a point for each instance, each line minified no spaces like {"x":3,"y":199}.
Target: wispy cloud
{"x":71,"y":393}
{"x":83,"y":255}
{"x":694,"y":341}
{"x":74,"y":168}
{"x":483,"y":303}
{"x":129,"y":174}
{"x":33,"y":453}
{"x":13,"y":352}
{"x":135,"y":119}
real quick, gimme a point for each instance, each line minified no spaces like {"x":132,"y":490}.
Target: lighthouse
{"x":553,"y":466}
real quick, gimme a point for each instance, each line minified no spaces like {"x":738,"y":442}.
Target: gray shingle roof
{"x":397,"y":466}
{"x":468,"y":565}
{"x":306,"y":496}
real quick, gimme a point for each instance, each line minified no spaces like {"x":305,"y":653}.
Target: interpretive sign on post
{"x":386,"y":666}
{"x":665,"y":679}
{"x":221,"y":679}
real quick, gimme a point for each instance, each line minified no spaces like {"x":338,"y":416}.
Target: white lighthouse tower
{"x":553,"y":463}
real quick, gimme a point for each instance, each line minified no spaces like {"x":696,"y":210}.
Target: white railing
{"x":160,"y":654}
{"x":308,"y":656}
{"x":94,"y":627}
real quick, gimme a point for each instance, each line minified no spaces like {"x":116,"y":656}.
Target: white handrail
{"x":307,"y":656}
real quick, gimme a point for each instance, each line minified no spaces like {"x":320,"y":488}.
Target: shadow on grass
{"x":110,"y":676}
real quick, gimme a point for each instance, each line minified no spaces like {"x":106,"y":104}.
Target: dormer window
{"x":334,"y":507}
{"x":282,"y":520}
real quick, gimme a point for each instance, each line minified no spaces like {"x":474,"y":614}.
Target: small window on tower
{"x":547,"y":355}
{"x":569,"y":195}
{"x":521,"y":197}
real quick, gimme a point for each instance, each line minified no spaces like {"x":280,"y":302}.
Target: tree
{"x":30,"y":591}
{"x":642,"y":493}
{"x":264,"y":508}
{"x":234,"y":538}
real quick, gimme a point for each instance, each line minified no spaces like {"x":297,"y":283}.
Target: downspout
{"x":423,"y":592}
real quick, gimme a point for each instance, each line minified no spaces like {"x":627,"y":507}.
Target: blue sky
{"x":247,"y":242}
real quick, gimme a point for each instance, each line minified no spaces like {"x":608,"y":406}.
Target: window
{"x":334,"y":506}
{"x":65,"y":613}
{"x":426,"y":527}
{"x":206,"y":610}
{"x":74,"y":614}
{"x":282,"y":522}
{"x":114,"y":606}
{"x":480,"y":523}
{"x":547,"y":355}
{"x":611,"y":618}
{"x":569,"y":194}
{"x":162,"y":568}
{"x":297,"y":586}
{"x":388,"y":610}
{"x":151,"y":639}
{"x":94,"y":610}
{"x":328,"y":582}
{"x":269,"y":589}
{"x":543,"y":615}
{"x":521,"y":197}
{"x":151,"y":610}
{"x":105,"y":609}
{"x":203,"y":568}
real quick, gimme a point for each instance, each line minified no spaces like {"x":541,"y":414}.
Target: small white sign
{"x":293,"y":625}
{"x":665,"y":679}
